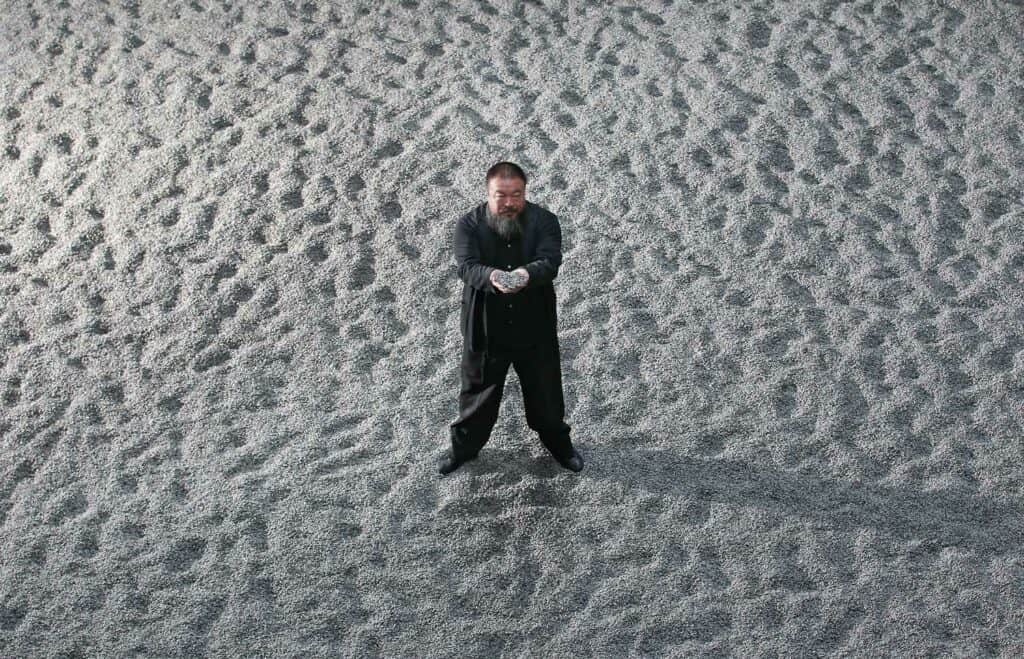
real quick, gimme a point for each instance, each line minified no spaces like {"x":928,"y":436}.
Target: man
{"x":507,"y":324}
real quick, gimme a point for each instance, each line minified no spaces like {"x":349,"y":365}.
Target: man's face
{"x":506,"y":197}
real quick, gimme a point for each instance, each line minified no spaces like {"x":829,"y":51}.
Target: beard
{"x":506,"y":226}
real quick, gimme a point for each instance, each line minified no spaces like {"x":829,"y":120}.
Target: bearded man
{"x":508,"y":252}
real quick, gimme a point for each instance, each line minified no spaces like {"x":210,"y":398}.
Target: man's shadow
{"x":936,"y":518}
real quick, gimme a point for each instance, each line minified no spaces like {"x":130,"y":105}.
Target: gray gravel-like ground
{"x":791,"y":314}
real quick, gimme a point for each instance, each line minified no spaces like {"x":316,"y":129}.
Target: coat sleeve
{"x":544,"y":268}
{"x":467,"y":257}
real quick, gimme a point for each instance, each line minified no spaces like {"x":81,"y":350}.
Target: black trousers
{"x":483,"y":382}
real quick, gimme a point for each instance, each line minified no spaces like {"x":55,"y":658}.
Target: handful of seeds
{"x":510,"y":279}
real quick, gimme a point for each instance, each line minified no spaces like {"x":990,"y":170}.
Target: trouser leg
{"x":482,"y":384}
{"x":540,"y":376}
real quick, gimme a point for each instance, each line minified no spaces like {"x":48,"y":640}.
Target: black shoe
{"x":450,"y":464}
{"x":573,"y":463}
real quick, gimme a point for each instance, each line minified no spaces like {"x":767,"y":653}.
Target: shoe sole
{"x":455,"y":467}
{"x":569,"y":467}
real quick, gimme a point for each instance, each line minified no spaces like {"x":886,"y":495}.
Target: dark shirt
{"x":476,"y":257}
{"x":513,"y":318}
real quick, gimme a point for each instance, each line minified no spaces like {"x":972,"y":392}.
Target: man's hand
{"x":496,"y":282}
{"x":526,"y":278}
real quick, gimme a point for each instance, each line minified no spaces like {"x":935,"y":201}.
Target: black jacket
{"x":476,"y":257}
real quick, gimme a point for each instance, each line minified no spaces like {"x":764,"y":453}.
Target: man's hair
{"x":505,"y":169}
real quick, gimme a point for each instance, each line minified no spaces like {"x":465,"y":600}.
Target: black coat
{"x":476,"y":256}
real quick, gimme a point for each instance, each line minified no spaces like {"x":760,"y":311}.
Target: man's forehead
{"x":505,"y":184}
